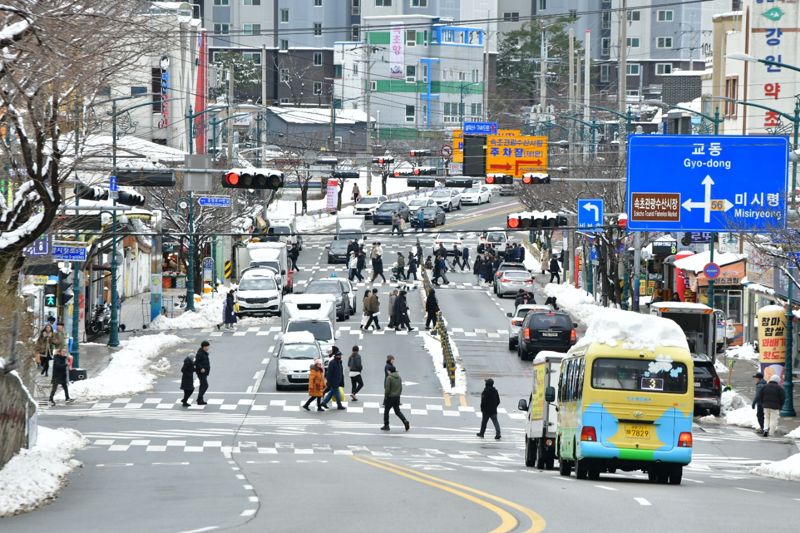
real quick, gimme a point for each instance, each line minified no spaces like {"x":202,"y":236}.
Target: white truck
{"x":350,"y":227}
{"x":698,"y":322}
{"x":315,"y":313}
{"x":540,"y":425}
{"x":272,"y":255}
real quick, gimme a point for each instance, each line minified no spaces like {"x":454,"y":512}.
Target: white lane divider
{"x":258,"y":377}
{"x":612,"y":489}
{"x":750,"y":490}
{"x":642,"y":501}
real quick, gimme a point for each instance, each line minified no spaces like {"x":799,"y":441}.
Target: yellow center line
{"x":507,"y":521}
{"x":537,"y":522}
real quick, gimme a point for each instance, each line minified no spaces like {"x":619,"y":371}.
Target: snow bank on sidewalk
{"x":434,"y":348}
{"x":208,"y":314}
{"x":795,"y":434}
{"x":737,"y":410}
{"x":788,"y":469}
{"x":33,"y":477}
{"x":745,"y":352}
{"x":132,"y":369}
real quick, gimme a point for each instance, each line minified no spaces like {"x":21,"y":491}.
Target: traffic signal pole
{"x":190,"y":263}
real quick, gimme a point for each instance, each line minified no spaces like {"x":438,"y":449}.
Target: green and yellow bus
{"x":625,"y":409}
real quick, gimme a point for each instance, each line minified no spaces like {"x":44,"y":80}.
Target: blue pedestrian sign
{"x":39,"y":247}
{"x":69,"y":252}
{"x":711,"y":270}
{"x":480,"y":128}
{"x":590,"y":214}
{"x":707,"y":183}
{"x":214,"y":201}
{"x":113,"y":186}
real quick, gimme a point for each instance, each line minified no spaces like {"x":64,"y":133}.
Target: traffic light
{"x":461,"y":183}
{"x":65,"y":287}
{"x":419,"y":153}
{"x":421,"y":182}
{"x":383,"y":160}
{"x":686,"y":240}
{"x":536,"y":220}
{"x":253,"y":178}
{"x":133,"y":199}
{"x":499,"y":179}
{"x":425,"y":171}
{"x":95,"y":193}
{"x":345,"y":175}
{"x":399,"y":173}
{"x":535,"y":178}
{"x":50,"y":294}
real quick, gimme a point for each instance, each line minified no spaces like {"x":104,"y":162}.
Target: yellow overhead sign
{"x":516,"y":155}
{"x":458,"y":142}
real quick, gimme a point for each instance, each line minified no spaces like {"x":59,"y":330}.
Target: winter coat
{"x":401,"y":262}
{"x":354,"y":362}
{"x":441,"y":251}
{"x":521,"y":254}
{"x":771,"y":396}
{"x":352,"y":248}
{"x":554,"y":266}
{"x":352,"y":263}
{"x":392,"y":300}
{"x":419,"y":250}
{"x":465,"y":253}
{"x":393,"y":385}
{"x":335,"y":373}
{"x":361,"y":262}
{"x":487,"y":270}
{"x":431,"y":303}
{"x":229,"y":316}
{"x":759,"y":386}
{"x":377,"y":265}
{"x":412,"y":264}
{"x":316,"y":382}
{"x":400,"y":307}
{"x":60,"y":369}
{"x":187,"y":374}
{"x":202,"y":362}
{"x":490,"y":399}
{"x":376,"y":252}
{"x":372,"y":304}
{"x":478,"y":266}
{"x":46,"y":344}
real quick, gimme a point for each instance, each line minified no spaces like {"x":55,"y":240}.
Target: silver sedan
{"x":511,"y":281}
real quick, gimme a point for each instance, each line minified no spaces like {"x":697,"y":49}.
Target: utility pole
{"x":367,"y":95}
{"x":485,"y":96}
{"x":265,"y":133}
{"x":622,"y":74}
{"x":230,"y":105}
{"x":543,"y":70}
{"x":587,"y":78}
{"x":571,"y":94}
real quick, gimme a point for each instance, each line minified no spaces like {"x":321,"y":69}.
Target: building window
{"x":356,"y":7}
{"x":383,"y":3}
{"x":542,"y":4}
{"x":317,"y":3}
{"x":284,"y":44}
{"x":664,"y":15}
{"x":317,"y":87}
{"x":632,"y":92}
{"x":731,"y":93}
{"x":425,"y":38}
{"x":254,"y":57}
{"x":355,"y":69}
{"x":419,"y":3}
{"x":284,"y":75}
{"x":356,"y":32}
{"x":663,"y":68}
{"x":317,"y":59}
{"x":252,"y":29}
{"x":317,"y":29}
{"x":251,"y":2}
{"x":155,"y":88}
{"x":220,"y":2}
{"x":475,"y":109}
{"x":221,"y":29}
{"x":633,"y":69}
{"x":410,"y":109}
{"x":453,"y":112}
{"x":284,"y":15}
{"x":511,"y":17}
{"x":137,"y":90}
{"x":214,"y":56}
{"x":462,"y":76}
{"x":411,"y":37}
{"x":605,"y":21}
{"x":284,"y":101}
{"x":411,"y":73}
{"x":425,"y":73}
{"x":634,"y":16}
{"x":604,"y":73}
{"x":605,"y":46}
{"x":337,"y":71}
{"x":633,"y":42}
{"x":664,"y":42}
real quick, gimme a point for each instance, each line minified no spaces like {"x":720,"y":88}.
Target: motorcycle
{"x":101,"y":320}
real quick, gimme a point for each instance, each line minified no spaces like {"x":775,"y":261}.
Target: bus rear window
{"x":640,"y":375}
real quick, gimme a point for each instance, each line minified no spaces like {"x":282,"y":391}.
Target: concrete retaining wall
{"x":17,"y":417}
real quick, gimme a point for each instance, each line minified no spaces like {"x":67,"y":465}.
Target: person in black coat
{"x":465,"y":259}
{"x":431,"y":308}
{"x":187,"y":380}
{"x":555,"y":270}
{"x":771,"y":397}
{"x":488,"y":271}
{"x":490,"y":400}
{"x":401,"y":312}
{"x":412,"y":267}
{"x":334,"y":375}
{"x":294,"y":255}
{"x":389,"y":364}
{"x":202,"y":365}
{"x":60,"y":375}
{"x":361,"y":264}
{"x":229,"y":317}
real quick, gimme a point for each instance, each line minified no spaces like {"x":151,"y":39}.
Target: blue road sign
{"x":594,"y":255}
{"x":707,"y":183}
{"x":40,"y":246}
{"x":480,"y":128}
{"x":711,"y":270}
{"x":214,"y":201}
{"x":112,"y":184}
{"x":64,"y":252}
{"x":590,"y":214}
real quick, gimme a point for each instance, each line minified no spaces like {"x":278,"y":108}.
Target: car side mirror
{"x":279,"y":337}
{"x":550,"y":394}
{"x":336,"y":335}
{"x":522,"y":405}
{"x":509,"y":315}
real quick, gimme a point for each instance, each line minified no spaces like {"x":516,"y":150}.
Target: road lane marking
{"x":507,"y":521}
{"x":643,"y":501}
{"x":750,"y":490}
{"x":612,"y":489}
{"x":201,"y":530}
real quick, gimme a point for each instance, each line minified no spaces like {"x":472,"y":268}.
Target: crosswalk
{"x":268,"y":329}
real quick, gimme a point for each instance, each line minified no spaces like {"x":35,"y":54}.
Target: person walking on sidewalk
{"x":60,"y":375}
{"x":228,"y":311}
{"x":771,"y":397}
{"x":372,"y":306}
{"x":46,"y":346}
{"x":758,"y":377}
{"x":316,"y":385}
{"x":335,"y":378}
{"x":355,"y":367}
{"x":187,"y":380}
{"x":431,"y":308}
{"x":392,"y":315}
{"x":490,"y":399}
{"x":202,"y":365}
{"x":392,"y":389}
{"x":555,"y":269}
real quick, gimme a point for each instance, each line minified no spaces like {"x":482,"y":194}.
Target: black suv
{"x":545,"y":330}
{"x":707,"y":386}
{"x":383,"y":215}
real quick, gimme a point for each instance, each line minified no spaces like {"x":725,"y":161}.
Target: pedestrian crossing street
{"x":267,"y":330}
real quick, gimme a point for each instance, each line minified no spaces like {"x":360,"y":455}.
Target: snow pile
{"x":130,"y":371}
{"x":738,"y":410}
{"x":434,"y":348}
{"x":795,"y":434}
{"x":33,"y":477}
{"x":745,"y":352}
{"x":634,"y":331}
{"x":732,"y":400}
{"x":788,"y":469}
{"x":577,"y":302}
{"x":208,"y":314}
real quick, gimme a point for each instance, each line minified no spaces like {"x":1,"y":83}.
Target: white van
{"x":315,"y":313}
{"x":541,"y":423}
{"x":272,"y":255}
{"x":285,"y":231}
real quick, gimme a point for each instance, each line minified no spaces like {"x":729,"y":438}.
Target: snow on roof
{"x":319,"y":115}
{"x":634,"y":331}
{"x":679,"y":305}
{"x":695,"y":263}
{"x":133,"y":146}
{"x":544,"y":354}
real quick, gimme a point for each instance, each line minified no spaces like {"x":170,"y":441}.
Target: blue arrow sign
{"x":62,"y":252}
{"x":480,"y":128}
{"x":707,"y":183}
{"x":214,"y":201}
{"x":112,"y":184}
{"x":590,"y":214}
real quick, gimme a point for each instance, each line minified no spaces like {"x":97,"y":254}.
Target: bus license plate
{"x":637,"y":431}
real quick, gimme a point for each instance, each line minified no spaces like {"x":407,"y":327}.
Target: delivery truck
{"x":540,"y":425}
{"x":698,"y":322}
{"x":272,"y":255}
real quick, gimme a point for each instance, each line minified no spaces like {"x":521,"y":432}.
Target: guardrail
{"x":448,"y":360}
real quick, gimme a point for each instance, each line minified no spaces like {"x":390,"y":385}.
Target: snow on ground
{"x":131,"y":369}
{"x":794,"y":434}
{"x":33,"y":477}
{"x":434,"y":348}
{"x":208,"y":314}
{"x":788,"y":469}
{"x":745,"y":351}
{"x":737,"y":410}
{"x":531,"y":263}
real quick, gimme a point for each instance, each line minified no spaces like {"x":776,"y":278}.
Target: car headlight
{"x":283,"y":369}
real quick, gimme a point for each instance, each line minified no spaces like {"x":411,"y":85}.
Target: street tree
{"x":246,"y":75}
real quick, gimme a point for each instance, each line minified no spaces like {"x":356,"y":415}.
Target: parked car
{"x":516,"y":320}
{"x":707,"y":386}
{"x":552,"y":331}
{"x":415,"y":204}
{"x":447,"y":198}
{"x":511,"y":281}
{"x":258,"y":293}
{"x":331,"y":286}
{"x":367,"y":205}
{"x":383,"y":215}
{"x":296,"y":352}
{"x":476,"y":195}
{"x":337,"y":251}
{"x":432,"y":216}
{"x":448,"y":240}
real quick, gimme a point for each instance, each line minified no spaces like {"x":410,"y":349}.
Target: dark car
{"x":707,"y":387}
{"x":433,"y":216}
{"x":552,"y":330}
{"x":332,"y":286}
{"x":383,"y":215}
{"x":337,"y":251}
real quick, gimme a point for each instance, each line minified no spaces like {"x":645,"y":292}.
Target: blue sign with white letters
{"x":707,"y":183}
{"x":590,"y":214}
{"x":214,"y":201}
{"x":480,"y":128}
{"x":62,"y":252}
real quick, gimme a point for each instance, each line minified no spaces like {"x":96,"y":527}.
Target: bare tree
{"x":293,"y":74}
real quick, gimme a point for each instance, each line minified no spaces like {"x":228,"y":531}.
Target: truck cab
{"x":698,"y":322}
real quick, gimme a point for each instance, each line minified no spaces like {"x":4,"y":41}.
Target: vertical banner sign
{"x":332,"y":194}
{"x":164,"y":122}
{"x":773,"y":37}
{"x":771,"y":340}
{"x":201,"y":91}
{"x":397,"y":63}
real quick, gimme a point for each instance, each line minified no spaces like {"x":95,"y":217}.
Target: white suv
{"x":259,"y":293}
{"x":367,"y":205}
{"x":448,"y":198}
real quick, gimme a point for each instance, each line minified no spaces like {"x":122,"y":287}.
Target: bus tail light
{"x":527,"y":334}
{"x":588,"y":434}
{"x":573,"y":336}
{"x":685,"y":440}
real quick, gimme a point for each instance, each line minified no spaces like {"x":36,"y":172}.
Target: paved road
{"x":252,"y":460}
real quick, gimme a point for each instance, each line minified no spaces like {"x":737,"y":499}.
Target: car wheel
{"x":530,"y":452}
{"x":564,"y":467}
{"x":459,"y":205}
{"x":581,"y":469}
{"x":715,"y":411}
{"x":278,"y":386}
{"x":675,"y":475}
{"x":511,"y":345}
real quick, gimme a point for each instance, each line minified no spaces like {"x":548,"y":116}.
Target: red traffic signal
{"x":253,"y":178}
{"x":499,"y":179}
{"x":231,"y":179}
{"x":535,"y":178}
{"x":419,"y":153}
{"x":383,"y":160}
{"x":513,"y":221}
